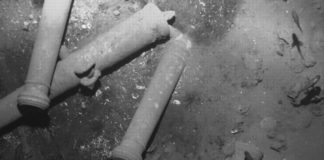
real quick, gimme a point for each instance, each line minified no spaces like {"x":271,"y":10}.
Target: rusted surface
{"x":235,"y":80}
{"x":45,"y":53}
{"x":155,"y":98}
{"x":104,"y":51}
{"x":88,"y":124}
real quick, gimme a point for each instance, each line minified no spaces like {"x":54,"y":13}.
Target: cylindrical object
{"x":45,"y":52}
{"x":138,"y":31}
{"x":142,"y":29}
{"x":154,"y":100}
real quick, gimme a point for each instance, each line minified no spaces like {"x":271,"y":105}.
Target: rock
{"x":83,"y":105}
{"x":276,"y":136}
{"x":229,"y":149}
{"x":278,"y":146}
{"x":272,"y":134}
{"x":278,"y":143}
{"x":242,"y":109}
{"x":302,"y":120}
{"x":309,"y":60}
{"x":281,"y":138}
{"x":268,"y":124}
{"x":304,"y":88}
{"x":64,"y":52}
{"x":296,"y":67}
{"x":297,"y":87}
{"x":244,"y":151}
{"x":317,"y":110}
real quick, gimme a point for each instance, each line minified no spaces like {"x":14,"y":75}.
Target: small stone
{"x":26,"y":26}
{"x":83,"y":26}
{"x":83,"y":105}
{"x":278,"y":146}
{"x":176,"y":102}
{"x":135,"y":95}
{"x":98,"y":93}
{"x":116,"y":12}
{"x":236,"y":131}
{"x":139,"y":87}
{"x":242,"y":109}
{"x":31,"y":16}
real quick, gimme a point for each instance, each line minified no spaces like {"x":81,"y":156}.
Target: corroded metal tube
{"x":139,"y":30}
{"x":45,"y":52}
{"x":154,"y":100}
